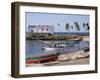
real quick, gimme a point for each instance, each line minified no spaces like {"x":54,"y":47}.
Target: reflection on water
{"x":34,"y":47}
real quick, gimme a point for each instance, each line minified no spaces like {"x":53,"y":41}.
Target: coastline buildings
{"x":41,"y":28}
{"x":46,"y":32}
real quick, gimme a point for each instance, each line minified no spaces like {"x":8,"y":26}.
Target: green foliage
{"x":67,"y":26}
{"x":88,"y":27}
{"x":77,"y":26}
{"x":84,"y":25}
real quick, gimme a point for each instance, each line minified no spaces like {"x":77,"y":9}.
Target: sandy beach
{"x":70,"y":62}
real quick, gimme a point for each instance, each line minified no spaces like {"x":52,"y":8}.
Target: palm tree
{"x":77,"y":26}
{"x":84,"y":25}
{"x":88,"y":27}
{"x":67,"y":26}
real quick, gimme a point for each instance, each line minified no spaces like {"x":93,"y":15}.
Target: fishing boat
{"x":48,"y":48}
{"x":42,"y":59}
{"x":54,"y":46}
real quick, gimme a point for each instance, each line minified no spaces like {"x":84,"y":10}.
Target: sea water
{"x":34,"y":47}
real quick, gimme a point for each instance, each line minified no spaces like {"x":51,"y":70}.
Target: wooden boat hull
{"x":42,"y":59}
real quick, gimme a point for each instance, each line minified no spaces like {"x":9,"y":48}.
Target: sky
{"x":32,"y":18}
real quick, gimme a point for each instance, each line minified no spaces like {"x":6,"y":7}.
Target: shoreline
{"x":48,"y":36}
{"x":70,"y":62}
{"x":75,"y":58}
{"x":78,"y":38}
{"x":83,"y":61}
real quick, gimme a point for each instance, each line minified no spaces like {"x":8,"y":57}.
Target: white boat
{"x":52,"y":48}
{"x":49,"y":49}
{"x":55,"y":45}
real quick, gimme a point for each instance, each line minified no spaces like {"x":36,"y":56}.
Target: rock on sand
{"x":73,"y":56}
{"x":63,"y":57}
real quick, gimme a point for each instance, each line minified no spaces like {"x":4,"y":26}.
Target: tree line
{"x":77,"y":26}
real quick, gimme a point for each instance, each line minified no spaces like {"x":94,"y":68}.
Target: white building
{"x":41,"y":28}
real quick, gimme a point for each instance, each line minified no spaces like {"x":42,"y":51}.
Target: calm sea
{"x":33,"y":47}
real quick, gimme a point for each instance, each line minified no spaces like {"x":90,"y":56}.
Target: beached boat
{"x":42,"y":59}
